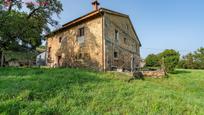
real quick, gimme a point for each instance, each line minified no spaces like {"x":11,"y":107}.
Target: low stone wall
{"x":154,"y":74}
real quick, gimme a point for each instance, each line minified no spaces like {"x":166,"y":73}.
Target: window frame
{"x":60,"y":39}
{"x":81,"y":32}
{"x":115,"y":54}
{"x":49,"y":49}
{"x":125,"y":40}
{"x":80,"y":38}
{"x":127,"y":27}
{"x":116,"y":35}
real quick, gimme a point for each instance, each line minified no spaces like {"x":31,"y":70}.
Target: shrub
{"x":152,"y":60}
{"x":169,"y":59}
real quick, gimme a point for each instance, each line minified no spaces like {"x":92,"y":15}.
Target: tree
{"x":199,"y":58}
{"x":169,"y":59}
{"x":152,"y":60}
{"x":20,"y":30}
{"x":189,"y":61}
{"x":182,"y":64}
{"x":193,"y":60}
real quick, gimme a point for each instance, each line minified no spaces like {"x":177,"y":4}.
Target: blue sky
{"x":160,"y":24}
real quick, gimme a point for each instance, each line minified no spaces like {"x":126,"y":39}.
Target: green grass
{"x":75,"y":91}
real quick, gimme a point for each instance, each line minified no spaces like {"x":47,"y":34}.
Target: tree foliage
{"x":22,"y":30}
{"x":169,"y":59}
{"x":152,"y":60}
{"x":19,"y":32}
{"x":25,"y":29}
{"x":193,"y":60}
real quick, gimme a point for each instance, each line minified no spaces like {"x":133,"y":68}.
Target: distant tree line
{"x":193,"y":60}
{"x":170,"y":59}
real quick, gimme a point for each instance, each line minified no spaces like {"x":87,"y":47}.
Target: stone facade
{"x":71,"y":52}
{"x":102,"y":42}
{"x":124,"y":45}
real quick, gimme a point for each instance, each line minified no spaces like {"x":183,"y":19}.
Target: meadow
{"x":76,"y":91}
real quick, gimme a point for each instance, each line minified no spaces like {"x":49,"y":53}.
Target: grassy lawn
{"x":75,"y":91}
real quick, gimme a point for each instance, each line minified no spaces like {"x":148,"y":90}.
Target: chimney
{"x":95,"y":5}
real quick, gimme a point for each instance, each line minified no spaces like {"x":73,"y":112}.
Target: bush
{"x":182,"y":64}
{"x":152,"y":60}
{"x":169,"y":60}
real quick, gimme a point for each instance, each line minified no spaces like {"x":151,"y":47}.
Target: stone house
{"x":102,"y":40}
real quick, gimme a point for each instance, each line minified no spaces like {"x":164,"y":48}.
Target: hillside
{"x":76,"y":91}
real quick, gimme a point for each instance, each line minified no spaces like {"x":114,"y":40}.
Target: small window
{"x":116,"y":35}
{"x":127,"y":27}
{"x":59,"y":61}
{"x":115,"y":54}
{"x":125,"y":40}
{"x":80,"y":36}
{"x":80,"y":56}
{"x":49,"y":49}
{"x":81,"y":32}
{"x":60,"y":39}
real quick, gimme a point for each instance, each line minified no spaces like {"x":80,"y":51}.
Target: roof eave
{"x":93,"y":13}
{"x":75,"y":21}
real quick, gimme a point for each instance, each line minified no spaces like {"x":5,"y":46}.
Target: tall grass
{"x":77,"y":91}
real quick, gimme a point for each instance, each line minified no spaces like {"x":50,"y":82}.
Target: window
{"x":59,"y":61}
{"x":115,"y":54}
{"x":127,"y":27}
{"x":125,"y":40}
{"x":81,"y":32}
{"x":80,"y":56}
{"x":80,"y":36}
{"x":49,"y":49}
{"x":116,"y":35}
{"x":60,"y":39}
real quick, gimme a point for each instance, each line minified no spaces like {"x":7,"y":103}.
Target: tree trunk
{"x":2,"y":58}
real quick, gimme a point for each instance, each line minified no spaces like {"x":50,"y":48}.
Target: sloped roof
{"x":88,"y":16}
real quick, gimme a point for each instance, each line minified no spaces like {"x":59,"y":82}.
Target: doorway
{"x":59,"y":61}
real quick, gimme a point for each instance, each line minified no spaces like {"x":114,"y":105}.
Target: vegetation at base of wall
{"x":76,"y":91}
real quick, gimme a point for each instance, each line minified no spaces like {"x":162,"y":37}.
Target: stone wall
{"x":92,"y":53}
{"x":154,"y":74}
{"x":71,"y":52}
{"x":127,"y":45}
